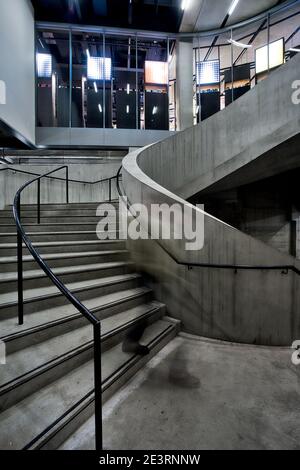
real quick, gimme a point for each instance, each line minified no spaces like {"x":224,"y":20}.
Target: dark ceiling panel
{"x":154,"y":15}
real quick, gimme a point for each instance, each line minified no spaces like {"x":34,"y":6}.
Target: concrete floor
{"x":201,"y":394}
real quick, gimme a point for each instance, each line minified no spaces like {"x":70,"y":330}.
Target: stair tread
{"x":36,"y":355}
{"x":64,"y":243}
{"x":53,"y":256}
{"x":65,"y":270}
{"x":77,"y":232}
{"x":51,"y":314}
{"x":22,"y":422}
{"x":31,"y":294}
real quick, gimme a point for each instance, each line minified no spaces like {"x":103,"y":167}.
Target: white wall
{"x":17,"y":66}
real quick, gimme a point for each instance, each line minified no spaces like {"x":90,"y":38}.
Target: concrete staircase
{"x":46,"y":386}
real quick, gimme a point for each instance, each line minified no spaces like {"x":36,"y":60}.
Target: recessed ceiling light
{"x":233,"y":7}
{"x":184,"y":4}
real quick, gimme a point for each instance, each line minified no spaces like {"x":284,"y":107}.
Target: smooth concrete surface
{"x":54,"y":191}
{"x":251,"y":306}
{"x":258,"y":122}
{"x":87,"y":137}
{"x":184,"y":84}
{"x":17,"y":68}
{"x":204,"y":395}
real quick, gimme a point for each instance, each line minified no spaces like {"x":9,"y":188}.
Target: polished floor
{"x":201,"y":394}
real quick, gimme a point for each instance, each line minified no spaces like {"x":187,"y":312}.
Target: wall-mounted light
{"x":275,"y":58}
{"x":99,"y":68}
{"x":100,"y":108}
{"x":44,"y":65}
{"x":239,"y":44}
{"x":156,"y":72}
{"x":154,"y":110}
{"x":128,"y":88}
{"x":127,"y":109}
{"x":95,"y":87}
{"x":208,"y":72}
{"x":233,"y":7}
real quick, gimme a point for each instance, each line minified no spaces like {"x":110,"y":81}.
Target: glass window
{"x":121,"y":51}
{"x":153,"y":84}
{"x":91,"y":71}
{"x":53,"y":90}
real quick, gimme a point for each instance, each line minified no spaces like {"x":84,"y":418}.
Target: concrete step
{"x":55,"y":219}
{"x":8,"y":264}
{"x":82,"y":212}
{"x":46,"y":418}
{"x":10,"y":249}
{"x":48,"y":299}
{"x":11,"y":237}
{"x":56,"y":227}
{"x":64,"y":206}
{"x":37,"y":277}
{"x":29,"y":369}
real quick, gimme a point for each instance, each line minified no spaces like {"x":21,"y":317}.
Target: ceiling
{"x":204,"y":15}
{"x":152,"y":15}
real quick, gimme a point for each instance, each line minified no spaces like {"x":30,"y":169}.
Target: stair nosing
{"x":89,"y":397}
{"x":74,"y":316}
{"x":42,"y":274}
{"x":129,"y":277}
{"x":58,"y":256}
{"x":46,"y":366}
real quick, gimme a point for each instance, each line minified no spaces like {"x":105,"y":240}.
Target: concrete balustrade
{"x":246,"y":141}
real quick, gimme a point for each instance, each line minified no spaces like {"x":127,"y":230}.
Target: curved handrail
{"x":47,"y":270}
{"x":189,"y":265}
{"x":94,"y":321}
{"x":16,"y":170}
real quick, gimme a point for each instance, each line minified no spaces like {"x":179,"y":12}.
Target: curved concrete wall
{"x":251,"y":127}
{"x":251,"y":306}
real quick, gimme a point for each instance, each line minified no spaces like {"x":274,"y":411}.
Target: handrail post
{"x":20,"y":269}
{"x":67,"y":185}
{"x":98,"y":387}
{"x":38,"y":201}
{"x":109,"y":189}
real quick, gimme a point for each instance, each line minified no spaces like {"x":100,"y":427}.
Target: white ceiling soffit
{"x":205,"y":15}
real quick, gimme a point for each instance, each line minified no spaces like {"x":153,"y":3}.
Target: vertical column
{"x":184,"y":84}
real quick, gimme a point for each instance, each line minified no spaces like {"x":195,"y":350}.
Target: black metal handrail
{"x":236,"y":267}
{"x":94,"y":321}
{"x":67,"y":179}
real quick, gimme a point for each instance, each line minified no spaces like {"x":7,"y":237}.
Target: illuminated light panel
{"x":233,"y":7}
{"x":276,"y":56}
{"x":208,"y":72}
{"x":44,"y":65}
{"x":99,"y":68}
{"x":156,"y":72}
